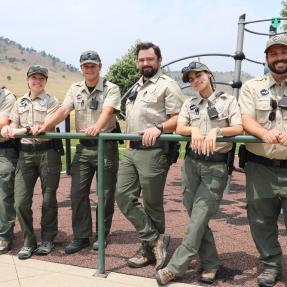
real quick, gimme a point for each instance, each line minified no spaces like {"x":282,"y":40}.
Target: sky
{"x":65,"y":28}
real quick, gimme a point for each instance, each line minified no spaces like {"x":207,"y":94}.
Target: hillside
{"x":15,"y":60}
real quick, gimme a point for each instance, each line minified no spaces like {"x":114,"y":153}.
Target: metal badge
{"x":264,"y":92}
{"x":23,"y":102}
{"x":79,"y":98}
{"x":220,"y":109}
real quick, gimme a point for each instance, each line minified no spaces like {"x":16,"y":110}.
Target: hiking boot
{"x":159,"y":249}
{"x":268,"y":277}
{"x":26,"y":252}
{"x":163,"y":276}
{"x":45,"y":248}
{"x":143,"y":257}
{"x":96,"y":244}
{"x":5,"y":246}
{"x":208,"y":276}
{"x":77,"y":245}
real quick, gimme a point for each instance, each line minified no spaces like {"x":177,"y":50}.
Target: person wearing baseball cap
{"x":38,"y":159}
{"x":263,"y":105}
{"x":203,"y":117}
{"x":96,"y":102}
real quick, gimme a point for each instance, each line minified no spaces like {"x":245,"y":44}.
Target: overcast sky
{"x":181,"y":28}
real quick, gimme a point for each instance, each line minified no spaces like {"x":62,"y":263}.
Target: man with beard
{"x":151,"y":110}
{"x":263,"y":103}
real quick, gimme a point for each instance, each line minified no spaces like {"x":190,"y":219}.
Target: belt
{"x":89,"y":143}
{"x":139,"y":145}
{"x":37,"y":146}
{"x":266,"y":161}
{"x":215,"y":157}
{"x":8,"y":144}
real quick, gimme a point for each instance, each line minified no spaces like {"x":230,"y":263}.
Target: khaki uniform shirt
{"x":194,"y":114}
{"x":254,"y":101}
{"x":7,"y":100}
{"x":78,"y":98}
{"x":157,"y":98}
{"x":27,"y":112}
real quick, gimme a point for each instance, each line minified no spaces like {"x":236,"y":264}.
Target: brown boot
{"x":163,"y":276}
{"x":159,"y":249}
{"x":142,"y":258}
{"x":208,"y":276}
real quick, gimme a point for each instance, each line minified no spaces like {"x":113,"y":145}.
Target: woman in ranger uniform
{"x":38,"y":158}
{"x":202,"y":117}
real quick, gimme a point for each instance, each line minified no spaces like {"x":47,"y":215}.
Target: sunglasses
{"x":272,"y":115}
{"x":38,"y":69}
{"x":191,"y":66}
{"x":90,"y":56}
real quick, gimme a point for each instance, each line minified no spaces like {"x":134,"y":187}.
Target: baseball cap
{"x":90,"y":57}
{"x":276,"y":40}
{"x":37,"y":69}
{"x":193,"y":67}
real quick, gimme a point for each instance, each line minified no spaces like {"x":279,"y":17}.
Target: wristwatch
{"x":28,"y":130}
{"x":220,"y":131}
{"x":159,"y":126}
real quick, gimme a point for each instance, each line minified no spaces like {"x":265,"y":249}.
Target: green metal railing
{"x":102,"y":137}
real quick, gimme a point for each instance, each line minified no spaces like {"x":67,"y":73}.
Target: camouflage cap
{"x":37,"y":69}
{"x":91,"y":57}
{"x":193,"y":67}
{"x":276,"y":40}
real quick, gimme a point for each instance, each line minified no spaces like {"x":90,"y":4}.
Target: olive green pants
{"x":84,"y":166}
{"x":47,"y":166}
{"x":143,"y":170}
{"x":204,"y":184}
{"x":266,"y":191}
{"x":8,"y":161}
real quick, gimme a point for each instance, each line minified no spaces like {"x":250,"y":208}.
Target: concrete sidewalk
{"x":31,"y":272}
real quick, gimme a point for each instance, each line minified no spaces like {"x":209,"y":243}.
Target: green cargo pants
{"x":8,"y":161}
{"x":204,"y":185}
{"x":266,"y":191}
{"x":84,"y":166}
{"x":143,"y":170}
{"x":31,"y":165}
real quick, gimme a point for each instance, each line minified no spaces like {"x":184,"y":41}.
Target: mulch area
{"x":239,"y":257}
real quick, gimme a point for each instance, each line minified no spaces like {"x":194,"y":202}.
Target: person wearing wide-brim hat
{"x":203,"y":117}
{"x":38,"y":159}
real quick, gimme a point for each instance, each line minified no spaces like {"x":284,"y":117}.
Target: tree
{"x":124,"y":72}
{"x":283,"y":12}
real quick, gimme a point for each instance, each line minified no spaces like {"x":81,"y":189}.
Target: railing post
{"x":101,"y":201}
{"x":68,"y":146}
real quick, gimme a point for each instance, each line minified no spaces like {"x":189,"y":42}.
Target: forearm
{"x":169,"y":126}
{"x":4,"y":121}
{"x":252,"y":127}
{"x":104,"y":117}
{"x":231,"y":131}
{"x":56,"y":118}
{"x":183,"y":130}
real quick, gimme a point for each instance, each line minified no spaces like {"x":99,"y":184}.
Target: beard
{"x":148,"y":72}
{"x":278,"y":71}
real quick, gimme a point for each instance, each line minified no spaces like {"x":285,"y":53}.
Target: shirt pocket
{"x":194,"y":119}
{"x":149,"y":98}
{"x":263,"y":109}
{"x":23,"y":115}
{"x":80,"y":106}
{"x":221,"y":121}
{"x":40,"y":113}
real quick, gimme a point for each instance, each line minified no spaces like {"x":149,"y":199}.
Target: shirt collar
{"x":153,"y":79}
{"x":99,"y":85}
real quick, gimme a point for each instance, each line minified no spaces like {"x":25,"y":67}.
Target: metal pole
{"x":236,"y":79}
{"x":101,"y":202}
{"x":68,"y":146}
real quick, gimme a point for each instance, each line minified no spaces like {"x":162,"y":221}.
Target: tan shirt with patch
{"x":254,"y":100}
{"x":157,"y":98}
{"x":27,"y":112}
{"x":7,"y":100}
{"x":78,"y":98}
{"x":194,"y":114}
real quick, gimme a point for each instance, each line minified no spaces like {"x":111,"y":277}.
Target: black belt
{"x":7,"y":144}
{"x":139,"y":145}
{"x":37,"y":146}
{"x":215,"y":157}
{"x":89,"y":143}
{"x":266,"y":161}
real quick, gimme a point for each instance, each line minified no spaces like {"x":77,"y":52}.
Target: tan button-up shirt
{"x":157,"y":98}
{"x":7,"y":100}
{"x":194,"y":114}
{"x":255,"y":100}
{"x":78,"y":98}
{"x":28,"y":112}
